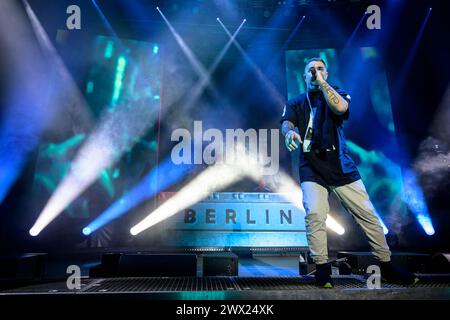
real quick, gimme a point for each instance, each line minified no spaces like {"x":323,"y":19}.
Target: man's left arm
{"x":334,"y":100}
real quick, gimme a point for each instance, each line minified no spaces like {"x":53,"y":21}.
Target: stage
{"x":268,"y":277}
{"x":431,"y":287}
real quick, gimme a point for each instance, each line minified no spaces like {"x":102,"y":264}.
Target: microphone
{"x":313,"y":72}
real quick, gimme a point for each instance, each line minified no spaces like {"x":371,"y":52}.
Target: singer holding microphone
{"x":326,"y":166}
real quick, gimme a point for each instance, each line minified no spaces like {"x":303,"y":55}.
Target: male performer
{"x":325,"y":165}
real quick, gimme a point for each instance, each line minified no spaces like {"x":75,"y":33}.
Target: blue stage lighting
{"x":426,"y":224}
{"x":415,"y":200}
{"x":147,"y":188}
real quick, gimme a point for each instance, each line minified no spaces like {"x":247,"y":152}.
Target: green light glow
{"x":107,"y":183}
{"x":196,"y":295}
{"x":369,"y":52}
{"x":116,"y":173}
{"x":109,"y":49}
{"x":90,"y":87}
{"x":60,"y":149}
{"x":118,"y":82}
{"x":46,"y":181}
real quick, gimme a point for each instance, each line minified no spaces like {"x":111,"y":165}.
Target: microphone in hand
{"x":313,"y":72}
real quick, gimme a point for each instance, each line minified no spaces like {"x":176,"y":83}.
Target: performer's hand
{"x":319,"y":78}
{"x":290,"y":140}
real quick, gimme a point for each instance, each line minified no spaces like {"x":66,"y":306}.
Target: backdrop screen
{"x":116,"y":75}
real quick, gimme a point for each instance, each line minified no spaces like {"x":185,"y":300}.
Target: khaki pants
{"x":355,"y":199}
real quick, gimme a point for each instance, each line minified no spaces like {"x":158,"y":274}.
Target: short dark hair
{"x":316,"y":59}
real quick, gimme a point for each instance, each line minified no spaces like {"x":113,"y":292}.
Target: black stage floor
{"x":263,"y":277}
{"x":352,"y":287}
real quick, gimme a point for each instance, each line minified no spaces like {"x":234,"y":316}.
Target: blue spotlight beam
{"x":25,"y":113}
{"x":292,"y":34}
{"x":403,"y":74}
{"x":285,"y":44}
{"x":269,"y":85}
{"x":112,"y":32}
{"x":198,"y":67}
{"x":288,"y":40}
{"x":34,"y":98}
{"x":412,"y":52}
{"x":203,"y":82}
{"x":102,"y":149}
{"x":145,"y":189}
{"x":352,"y":36}
{"x":104,"y":19}
{"x":222,"y":53}
{"x":415,"y":200}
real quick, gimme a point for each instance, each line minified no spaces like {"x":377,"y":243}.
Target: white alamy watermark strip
{"x":215,"y":147}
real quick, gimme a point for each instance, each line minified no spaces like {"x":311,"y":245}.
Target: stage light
{"x":218,"y":177}
{"x":272,"y":90}
{"x":282,"y":51}
{"x":426,"y":224}
{"x":432,"y":164}
{"x":143,"y":191}
{"x":385,"y":229}
{"x":87,"y":231}
{"x":101,"y":150}
{"x":291,"y":35}
{"x":105,"y":21}
{"x":160,"y":178}
{"x":212,"y":179}
{"x":123,"y":60}
{"x":415,"y":200}
{"x":334,"y":225}
{"x":198,"y":67}
{"x":40,"y":87}
{"x":352,"y":36}
{"x":203,"y":82}
{"x":403,"y":74}
{"x":291,"y":191}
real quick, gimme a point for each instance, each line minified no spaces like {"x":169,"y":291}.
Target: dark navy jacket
{"x":329,"y":162}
